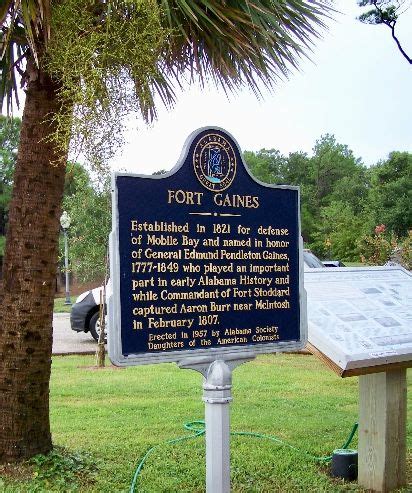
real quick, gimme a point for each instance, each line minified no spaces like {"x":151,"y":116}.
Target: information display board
{"x":204,"y":259}
{"x":360,"y":317}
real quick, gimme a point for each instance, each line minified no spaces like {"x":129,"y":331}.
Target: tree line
{"x":348,"y":211}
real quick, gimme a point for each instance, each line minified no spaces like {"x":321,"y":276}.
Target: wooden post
{"x":382,"y":430}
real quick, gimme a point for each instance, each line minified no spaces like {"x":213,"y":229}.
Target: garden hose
{"x":198,"y":429}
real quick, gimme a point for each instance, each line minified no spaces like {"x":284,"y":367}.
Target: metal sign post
{"x":217,"y":396}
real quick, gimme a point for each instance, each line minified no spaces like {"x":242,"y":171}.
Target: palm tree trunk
{"x":28,"y":287}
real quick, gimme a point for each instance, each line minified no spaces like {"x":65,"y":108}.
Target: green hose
{"x":192,"y":426}
{"x":199,"y":429}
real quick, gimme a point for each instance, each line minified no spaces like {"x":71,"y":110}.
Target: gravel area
{"x":67,"y":341}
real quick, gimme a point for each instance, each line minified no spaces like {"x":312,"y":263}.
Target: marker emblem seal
{"x":214,"y":162}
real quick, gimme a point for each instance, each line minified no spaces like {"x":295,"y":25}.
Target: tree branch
{"x":391,"y":23}
{"x":398,"y":43}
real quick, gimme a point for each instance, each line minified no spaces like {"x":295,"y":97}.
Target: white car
{"x":85,"y":312}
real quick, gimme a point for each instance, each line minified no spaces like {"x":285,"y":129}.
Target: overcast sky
{"x":357,"y":87}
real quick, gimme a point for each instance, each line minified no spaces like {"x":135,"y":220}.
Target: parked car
{"x":333,"y":263}
{"x":311,"y":261}
{"x":84,"y":316}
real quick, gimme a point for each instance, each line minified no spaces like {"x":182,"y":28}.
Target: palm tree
{"x":233,"y":43}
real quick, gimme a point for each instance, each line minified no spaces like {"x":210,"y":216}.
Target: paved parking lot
{"x":66,"y":341}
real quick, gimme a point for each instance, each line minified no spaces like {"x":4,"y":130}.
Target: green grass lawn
{"x":60,"y":307}
{"x":117,"y":414}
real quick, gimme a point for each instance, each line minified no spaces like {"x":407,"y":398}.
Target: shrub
{"x":376,"y":249}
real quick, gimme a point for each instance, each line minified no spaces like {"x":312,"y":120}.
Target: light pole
{"x":65,"y":224}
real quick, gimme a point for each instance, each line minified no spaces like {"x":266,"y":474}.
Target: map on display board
{"x":205,"y":260}
{"x":360,"y":318}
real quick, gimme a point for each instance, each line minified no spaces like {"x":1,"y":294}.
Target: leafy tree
{"x":330,"y":163}
{"x":298,"y":168}
{"x":270,"y":166}
{"x":9,"y":138}
{"x":266,"y":165}
{"x":75,"y":178}
{"x":298,"y":172}
{"x":85,"y":62}
{"x":87,"y":202}
{"x":385,"y":12}
{"x":338,"y":232}
{"x":390,"y":198}
{"x":90,"y":210}
{"x":332,"y":175}
{"x":352,"y":189}
{"x":332,"y":168}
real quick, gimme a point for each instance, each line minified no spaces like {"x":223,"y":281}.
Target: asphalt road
{"x":66,"y":341}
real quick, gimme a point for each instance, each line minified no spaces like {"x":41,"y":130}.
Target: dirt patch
{"x":17,"y":471}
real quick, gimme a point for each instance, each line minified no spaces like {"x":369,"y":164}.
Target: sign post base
{"x":217,"y":395}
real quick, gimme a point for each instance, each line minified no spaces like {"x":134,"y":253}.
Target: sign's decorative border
{"x":114,"y":302}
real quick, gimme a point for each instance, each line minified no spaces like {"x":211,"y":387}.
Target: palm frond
{"x":4,"y":9}
{"x":240,"y":42}
{"x":232,"y":43}
{"x":23,"y":24}
{"x":9,"y":61}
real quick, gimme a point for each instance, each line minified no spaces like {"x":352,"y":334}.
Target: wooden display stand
{"x":382,"y":423}
{"x":359,"y":325}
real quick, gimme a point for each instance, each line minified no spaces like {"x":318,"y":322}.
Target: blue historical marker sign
{"x":204,"y":259}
